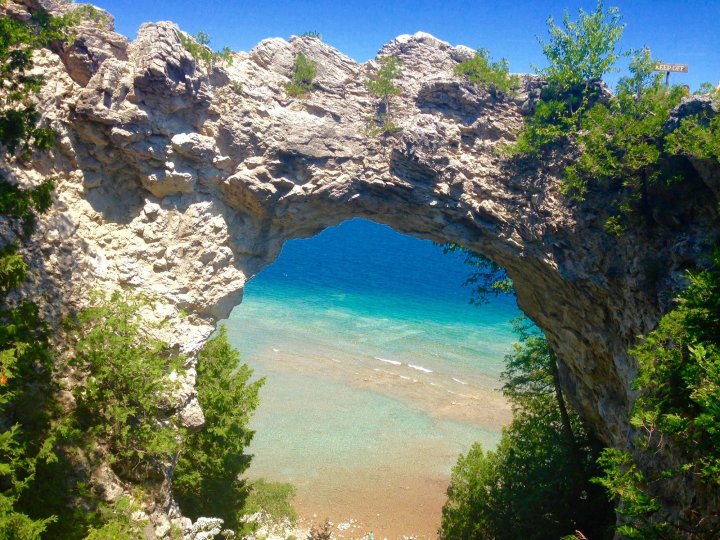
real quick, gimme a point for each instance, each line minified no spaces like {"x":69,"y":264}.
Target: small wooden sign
{"x":677,"y":68}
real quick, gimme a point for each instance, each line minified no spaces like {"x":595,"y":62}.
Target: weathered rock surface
{"x":184,"y":182}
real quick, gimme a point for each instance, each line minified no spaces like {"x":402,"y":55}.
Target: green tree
{"x":480,"y":69}
{"x":625,"y":483}
{"x":679,"y":398}
{"x":304,"y":71}
{"x":579,"y":53}
{"x":117,"y":522}
{"x":123,"y":402}
{"x":199,"y":48}
{"x":487,"y":278}
{"x":623,"y":142}
{"x":698,"y":136}
{"x":382,"y":84}
{"x":26,"y":359}
{"x":535,"y":484}
{"x":207,"y":477}
{"x":468,"y":512}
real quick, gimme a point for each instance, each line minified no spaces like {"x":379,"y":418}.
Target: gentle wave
{"x":420,"y":368}
{"x":393,"y":362}
{"x":458,"y":381}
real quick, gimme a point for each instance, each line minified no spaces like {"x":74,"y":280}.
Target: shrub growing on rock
{"x":679,"y":397}
{"x":312,"y":34}
{"x":579,"y":53}
{"x":199,"y":48}
{"x":27,"y":360}
{"x":122,"y":403}
{"x":304,"y":71}
{"x":382,"y":84}
{"x":623,"y":141}
{"x":481,"y":70}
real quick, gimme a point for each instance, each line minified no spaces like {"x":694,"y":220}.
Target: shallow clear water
{"x":379,"y":371}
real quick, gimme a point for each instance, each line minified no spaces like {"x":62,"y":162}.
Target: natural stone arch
{"x":173,"y":181}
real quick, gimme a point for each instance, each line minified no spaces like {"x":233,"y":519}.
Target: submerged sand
{"x":379,"y":439}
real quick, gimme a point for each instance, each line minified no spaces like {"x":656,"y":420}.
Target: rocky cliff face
{"x":184,"y":181}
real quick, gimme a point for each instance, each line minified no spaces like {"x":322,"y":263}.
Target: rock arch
{"x":185,"y":181}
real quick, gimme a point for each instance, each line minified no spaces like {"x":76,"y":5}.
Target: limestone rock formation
{"x":184,"y":181}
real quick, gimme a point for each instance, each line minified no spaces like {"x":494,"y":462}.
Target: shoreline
{"x":349,"y":463}
{"x":405,"y":511}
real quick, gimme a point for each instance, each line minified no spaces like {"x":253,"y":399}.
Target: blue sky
{"x":678,"y":31}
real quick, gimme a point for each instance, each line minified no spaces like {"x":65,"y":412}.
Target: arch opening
{"x":379,"y":373}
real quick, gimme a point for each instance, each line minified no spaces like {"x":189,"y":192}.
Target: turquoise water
{"x":376,"y":365}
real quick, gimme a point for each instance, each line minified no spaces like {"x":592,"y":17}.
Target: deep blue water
{"x":363,"y":257}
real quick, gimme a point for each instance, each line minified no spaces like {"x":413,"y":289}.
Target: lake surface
{"x":378,"y":374}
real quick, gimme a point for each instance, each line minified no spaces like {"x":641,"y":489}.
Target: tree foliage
{"x":199,"y":48}
{"x":487,"y":278}
{"x":382,"y":83}
{"x":579,"y":53}
{"x":679,"y":373}
{"x":482,"y":70}
{"x":303,"y":75}
{"x":207,"y":477}
{"x":679,"y":398}
{"x":383,"y":86}
{"x":698,"y":136}
{"x":117,"y":522}
{"x":26,"y":358}
{"x":623,"y":142}
{"x":535,"y":484}
{"x":122,"y":402}
{"x":625,"y":145}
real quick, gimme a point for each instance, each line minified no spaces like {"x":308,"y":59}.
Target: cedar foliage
{"x":26,"y":359}
{"x":383,"y":86}
{"x":207,"y":476}
{"x":122,"y":412}
{"x":624,"y":145}
{"x":580,"y":53}
{"x":536,"y":483}
{"x":679,"y":397}
{"x":487,"y":279}
{"x":304,"y":71}
{"x":482,"y":70}
{"x":382,"y":83}
{"x":120,"y":404}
